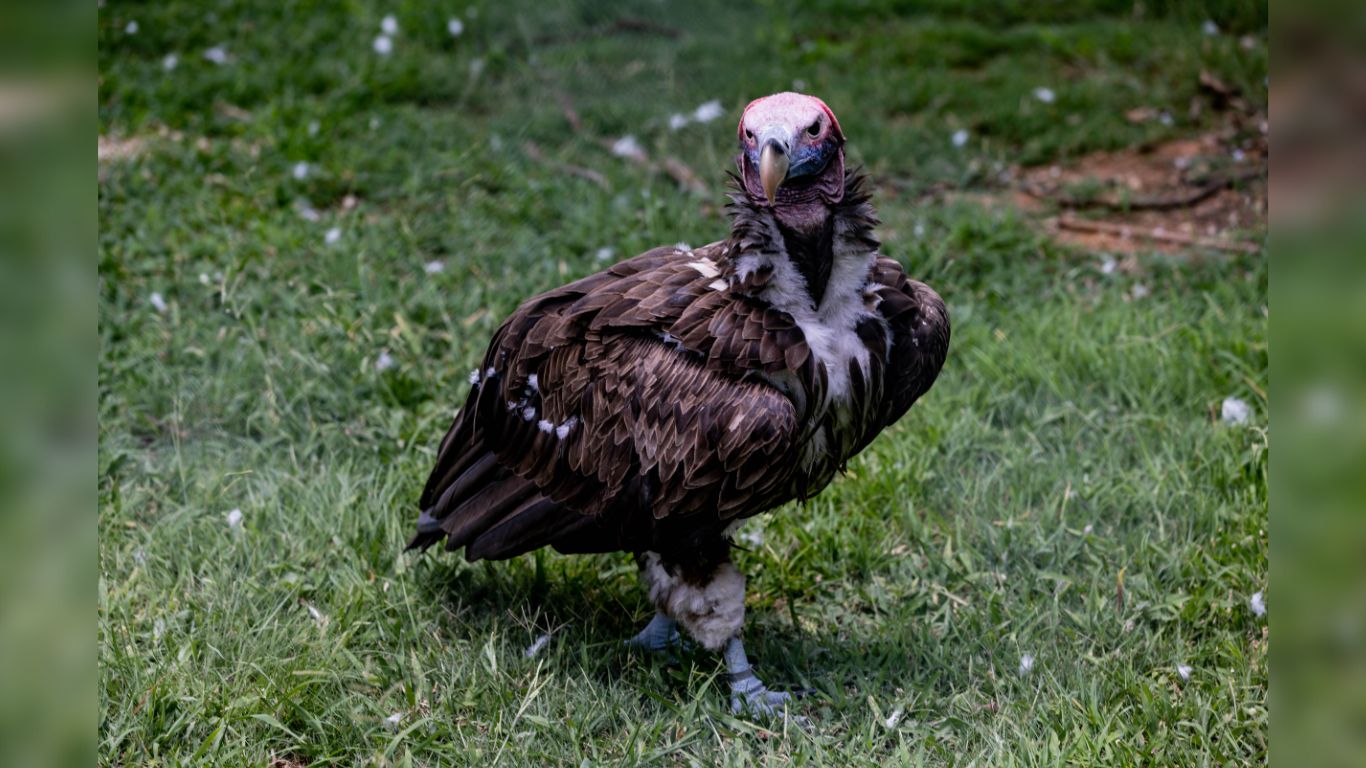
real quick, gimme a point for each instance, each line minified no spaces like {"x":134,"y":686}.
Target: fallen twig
{"x":1180,"y":199}
{"x":1156,"y":234}
{"x":534,"y":152}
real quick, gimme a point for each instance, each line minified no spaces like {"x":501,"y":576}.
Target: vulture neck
{"x":808,"y":248}
{"x":807,"y":231}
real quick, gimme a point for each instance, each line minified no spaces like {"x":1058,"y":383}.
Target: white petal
{"x":708,"y":112}
{"x":545,"y":426}
{"x":1026,"y":663}
{"x":384,"y":362}
{"x":1209,"y":28}
{"x":332,"y":235}
{"x":217,"y":54}
{"x":895,"y":717}
{"x":235,"y":518}
{"x":605,"y":254}
{"x":170,"y":61}
{"x":1045,"y":95}
{"x":1141,"y":291}
{"x":1184,"y":671}
{"x":313,"y":127}
{"x":677,"y":121}
{"x":157,"y":302}
{"x":131,"y":28}
{"x":960,"y":137}
{"x":389,"y":25}
{"x":434,"y":267}
{"x":536,"y":647}
{"x":383,"y":45}
{"x":628,"y":147}
{"x":300,"y":171}
{"x":455,"y":27}
{"x":1258,"y":604}
{"x":1234,"y":411}
{"x":1107,"y":267}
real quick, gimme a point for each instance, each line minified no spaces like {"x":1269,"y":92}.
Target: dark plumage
{"x":648,"y":407}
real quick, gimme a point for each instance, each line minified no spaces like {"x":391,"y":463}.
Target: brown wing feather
{"x":617,"y":417}
{"x":918,"y":327}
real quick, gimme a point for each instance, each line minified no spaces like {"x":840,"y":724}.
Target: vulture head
{"x":791,"y":152}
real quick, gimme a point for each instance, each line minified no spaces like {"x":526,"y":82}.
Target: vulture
{"x":652,"y":407}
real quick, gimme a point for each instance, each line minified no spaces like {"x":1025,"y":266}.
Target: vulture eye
{"x":749,"y":134}
{"x":814,"y":129}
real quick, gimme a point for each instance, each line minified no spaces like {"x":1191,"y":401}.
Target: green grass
{"x":1066,"y":490}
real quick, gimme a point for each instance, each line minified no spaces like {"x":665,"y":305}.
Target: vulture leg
{"x":659,"y":635}
{"x":747,"y":692}
{"x":700,"y":590}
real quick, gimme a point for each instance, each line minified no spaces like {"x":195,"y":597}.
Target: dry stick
{"x":675,"y":168}
{"x":1153,"y":203}
{"x":1125,"y":231}
{"x":534,"y":152}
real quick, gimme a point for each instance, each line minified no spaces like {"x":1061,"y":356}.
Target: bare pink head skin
{"x":791,"y":155}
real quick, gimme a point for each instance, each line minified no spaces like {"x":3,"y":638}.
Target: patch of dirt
{"x":1209,"y":191}
{"x":112,"y":149}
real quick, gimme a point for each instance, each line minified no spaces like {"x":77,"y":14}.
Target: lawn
{"x":305,"y":245}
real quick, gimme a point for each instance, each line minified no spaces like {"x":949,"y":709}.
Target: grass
{"x":1065,"y":491}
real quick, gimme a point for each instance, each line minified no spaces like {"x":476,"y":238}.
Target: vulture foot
{"x":660,"y":635}
{"x":748,"y":694}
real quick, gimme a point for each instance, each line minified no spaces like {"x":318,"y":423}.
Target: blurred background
{"x":310,"y":217}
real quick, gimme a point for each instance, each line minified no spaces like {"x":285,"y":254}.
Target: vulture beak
{"x":773,"y":163}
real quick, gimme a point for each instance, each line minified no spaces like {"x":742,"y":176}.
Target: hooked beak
{"x":773,"y":164}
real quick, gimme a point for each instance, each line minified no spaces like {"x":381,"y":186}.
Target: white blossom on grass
{"x":393,"y":720}
{"x":477,"y":67}
{"x":131,"y":28}
{"x":300,"y":171}
{"x":1140,"y":291}
{"x":677,"y":121}
{"x":217,"y":54}
{"x":455,"y":27}
{"x":1234,"y":411}
{"x":1209,"y":28}
{"x":1166,"y":119}
{"x":628,"y":147}
{"x":332,"y":235}
{"x":605,"y":253}
{"x":960,"y":137}
{"x":708,"y":112}
{"x":306,"y":211}
{"x":313,"y":127}
{"x":1258,"y":604}
{"x":383,"y":45}
{"x":234,"y":518}
{"x":1183,"y":671}
{"x":1107,"y":267}
{"x":895,"y":717}
{"x":537,"y":646}
{"x":1045,"y":95}
{"x":435,"y":267}
{"x":389,"y":25}
{"x":170,"y":61}
{"x":919,"y":229}
{"x":1239,"y":155}
{"x":157,"y":302}
{"x":384,"y":362}
{"x":1026,"y":663}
